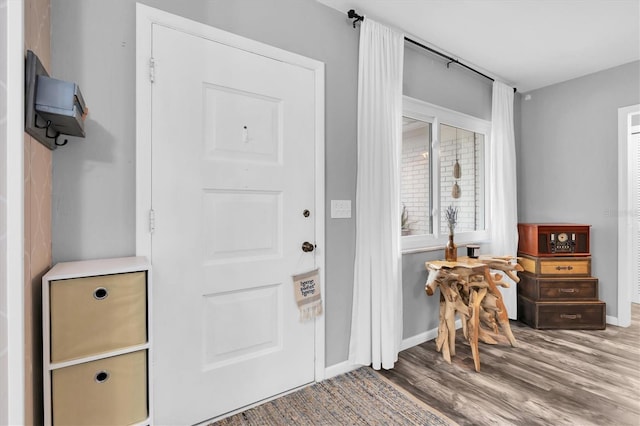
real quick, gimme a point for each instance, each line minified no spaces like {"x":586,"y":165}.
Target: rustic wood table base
{"x":469,"y":289}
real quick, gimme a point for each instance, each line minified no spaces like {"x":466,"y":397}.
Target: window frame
{"x":436,"y":115}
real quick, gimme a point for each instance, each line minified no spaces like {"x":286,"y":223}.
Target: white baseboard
{"x":346,"y":366}
{"x":340,"y":368}
{"x":418,"y":339}
{"x":423,"y":337}
{"x":612,"y":320}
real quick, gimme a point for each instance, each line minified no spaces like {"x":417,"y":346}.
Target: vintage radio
{"x":553,"y":239}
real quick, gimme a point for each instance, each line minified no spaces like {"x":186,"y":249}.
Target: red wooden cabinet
{"x":553,"y":239}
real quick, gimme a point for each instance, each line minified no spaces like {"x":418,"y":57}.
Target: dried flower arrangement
{"x":451,"y":215}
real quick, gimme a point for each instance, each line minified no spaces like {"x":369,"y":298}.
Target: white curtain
{"x":376,"y":322}
{"x":504,"y":202}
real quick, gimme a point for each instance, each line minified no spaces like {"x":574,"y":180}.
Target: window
{"x":444,"y":163}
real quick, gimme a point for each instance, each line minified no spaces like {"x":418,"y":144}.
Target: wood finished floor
{"x":555,"y":377}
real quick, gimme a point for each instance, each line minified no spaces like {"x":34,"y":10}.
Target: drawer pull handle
{"x":102,"y":376}
{"x":570,"y":316}
{"x":567,"y":290}
{"x":100,"y":293}
{"x":564,"y":268}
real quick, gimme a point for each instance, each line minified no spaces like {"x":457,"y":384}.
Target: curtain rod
{"x":357,"y":18}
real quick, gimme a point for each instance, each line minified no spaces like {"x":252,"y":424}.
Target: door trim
{"x":12,"y":305}
{"x":146,"y":17}
{"x":625,"y":217}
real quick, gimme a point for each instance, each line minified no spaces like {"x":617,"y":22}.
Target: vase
{"x":451,"y":250}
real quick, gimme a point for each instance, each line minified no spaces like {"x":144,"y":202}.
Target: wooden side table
{"x":469,"y":288}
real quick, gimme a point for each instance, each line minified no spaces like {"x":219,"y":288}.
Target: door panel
{"x":258,"y":127}
{"x":233,"y":231}
{"x":232,"y":172}
{"x":256,"y":311}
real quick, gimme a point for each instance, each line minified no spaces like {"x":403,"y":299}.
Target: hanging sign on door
{"x":306,"y":288}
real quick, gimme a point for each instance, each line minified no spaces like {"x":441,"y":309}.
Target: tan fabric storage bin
{"x":109,"y":391}
{"x":93,"y":315}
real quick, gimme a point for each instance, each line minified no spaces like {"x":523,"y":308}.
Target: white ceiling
{"x":525,"y":43}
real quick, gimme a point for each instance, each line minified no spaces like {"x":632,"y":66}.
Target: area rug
{"x":361,"y":397}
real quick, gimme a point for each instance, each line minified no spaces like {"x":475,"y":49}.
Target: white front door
{"x":634,"y":210}
{"x":233,"y":171}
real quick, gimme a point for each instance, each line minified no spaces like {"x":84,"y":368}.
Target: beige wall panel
{"x":37,"y":248}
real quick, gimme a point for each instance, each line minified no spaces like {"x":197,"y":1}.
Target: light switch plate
{"x":340,"y":209}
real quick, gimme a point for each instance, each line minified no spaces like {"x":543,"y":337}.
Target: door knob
{"x":307,"y":247}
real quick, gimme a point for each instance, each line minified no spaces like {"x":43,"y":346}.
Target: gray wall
{"x":93,"y":43}
{"x":427,"y":78}
{"x":568,"y":161}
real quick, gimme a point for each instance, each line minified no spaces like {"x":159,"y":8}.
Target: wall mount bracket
{"x":52,"y":107}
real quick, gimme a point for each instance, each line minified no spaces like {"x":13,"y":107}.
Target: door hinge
{"x":152,"y":70}
{"x":152,"y":221}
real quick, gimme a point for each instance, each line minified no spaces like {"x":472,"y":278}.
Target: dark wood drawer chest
{"x":585,"y":314}
{"x":556,"y":290}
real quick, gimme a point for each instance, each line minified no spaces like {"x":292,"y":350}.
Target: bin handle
{"x":100,"y":293}
{"x":102,"y":376}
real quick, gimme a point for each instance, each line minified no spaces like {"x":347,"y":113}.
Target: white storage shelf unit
{"x":96,"y":342}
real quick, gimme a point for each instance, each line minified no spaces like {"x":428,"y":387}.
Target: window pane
{"x":463,"y":189}
{"x":414,"y":192}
